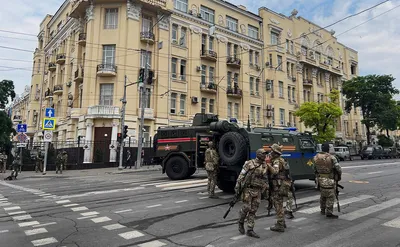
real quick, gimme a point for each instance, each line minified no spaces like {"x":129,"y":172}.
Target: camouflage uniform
{"x":281,"y":183}
{"x":252,"y":177}
{"x":39,"y":162}
{"x":289,"y":205}
{"x":211,"y":164}
{"x":327,"y":170}
{"x":3,"y":162}
{"x":60,"y":161}
{"x":65,"y":160}
{"x":16,"y":167}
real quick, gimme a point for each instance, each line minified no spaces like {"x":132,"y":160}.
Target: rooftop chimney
{"x":242,"y":7}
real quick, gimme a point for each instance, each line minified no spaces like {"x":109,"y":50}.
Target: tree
{"x":6,"y":127}
{"x":369,"y":93}
{"x":321,"y":117}
{"x":385,"y":141}
{"x":388,"y":116}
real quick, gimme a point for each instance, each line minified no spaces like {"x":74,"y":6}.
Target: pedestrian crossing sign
{"x":49,"y":124}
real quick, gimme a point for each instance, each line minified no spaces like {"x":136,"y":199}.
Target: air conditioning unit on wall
{"x":195,"y":100}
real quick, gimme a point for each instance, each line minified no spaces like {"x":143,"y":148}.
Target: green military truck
{"x":180,"y":150}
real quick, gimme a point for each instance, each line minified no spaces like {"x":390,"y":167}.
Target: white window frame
{"x":207,"y":14}
{"x":106,"y":94}
{"x":252,"y":31}
{"x":279,"y":60}
{"x":229,"y":110}
{"x":174,"y":35}
{"x":256,"y":58}
{"x":280,"y":83}
{"x":274,"y":38}
{"x":282,"y":116}
{"x":211,"y":71}
{"x":231,"y":23}
{"x":111,"y":18}
{"x":251,"y":85}
{"x":181,"y":5}
{"x":203,"y":105}
{"x":257,"y":86}
{"x":258,"y":114}
{"x":143,"y":58}
{"x":147,"y":23}
{"x":211,"y":105}
{"x":182,"y":102}
{"x":182,"y":40}
{"x":236,"y":110}
{"x":174,"y":67}
{"x":173,"y":103}
{"x":203,"y":74}
{"x":182,"y":70}
{"x":108,"y":57}
{"x":252,"y":114}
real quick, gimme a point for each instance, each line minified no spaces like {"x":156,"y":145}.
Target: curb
{"x":135,"y":171}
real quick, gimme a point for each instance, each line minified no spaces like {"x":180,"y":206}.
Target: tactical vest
{"x":323,"y":164}
{"x":257,"y":179}
{"x":282,"y":174}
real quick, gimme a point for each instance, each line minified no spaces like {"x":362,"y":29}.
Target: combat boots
{"x":290,"y":215}
{"x":252,"y":234}
{"x":323,"y":211}
{"x":331,"y":216}
{"x":213,"y":196}
{"x":277,"y":228}
{"x":241,"y":228}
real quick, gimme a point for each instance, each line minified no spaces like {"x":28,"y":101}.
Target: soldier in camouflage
{"x":60,"y":161}
{"x":3,"y":162}
{"x":39,"y":161}
{"x":281,"y":182}
{"x":252,"y":183}
{"x":211,"y":164}
{"x":327,"y":171}
{"x":289,"y":206}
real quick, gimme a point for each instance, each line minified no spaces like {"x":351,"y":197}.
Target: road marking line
{"x":22,"y":217}
{"x":181,"y":201}
{"x":299,"y":219}
{"x":309,"y":199}
{"x":18,"y":212}
{"x":4,"y":199}
{"x":382,"y":164}
{"x":44,"y":241}
{"x":123,"y":211}
{"x":30,"y":223}
{"x":131,"y":235}
{"x":183,"y":183}
{"x":5,"y":204}
{"x":100,"y":192}
{"x":35,"y":231}
{"x":369,"y":210}
{"x":154,"y":243}
{"x":12,"y":208}
{"x":49,"y":196}
{"x":342,"y":203}
{"x":71,"y":205}
{"x":393,"y":223}
{"x":45,"y":194}
{"x":204,"y":197}
{"x":87,"y":217}
{"x":153,"y":206}
{"x":77,"y":209}
{"x":63,"y":201}
{"x":3,"y":231}
{"x":374,"y":172}
{"x":101,"y":219}
{"x":193,"y":189}
{"x":89,"y":213}
{"x":45,"y":224}
{"x":114,"y":227}
{"x":238,"y":237}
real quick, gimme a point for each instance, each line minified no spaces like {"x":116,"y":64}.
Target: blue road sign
{"x":50,"y":112}
{"x":49,"y":124}
{"x":22,"y":128}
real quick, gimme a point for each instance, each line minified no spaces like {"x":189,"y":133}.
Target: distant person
{"x":128,"y":161}
{"x":211,"y":165}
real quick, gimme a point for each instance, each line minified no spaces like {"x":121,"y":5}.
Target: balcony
{"x":79,"y":73}
{"x":52,"y":66}
{"x":307,"y":82}
{"x":103,"y":111}
{"x":48,"y":94}
{"x":308,"y":59}
{"x":106,"y":70}
{"x":235,"y":92}
{"x":17,"y":119}
{"x":233,"y":62}
{"x":60,"y":58}
{"x":82,"y":39}
{"x":147,"y":37}
{"x":78,"y":8}
{"x":148,"y":113}
{"x":209,"y":55}
{"x":324,"y":65}
{"x":209,"y":88}
{"x":58,"y":89}
{"x":337,"y":70}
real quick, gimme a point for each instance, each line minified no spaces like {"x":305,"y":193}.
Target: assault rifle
{"x":337,"y":194}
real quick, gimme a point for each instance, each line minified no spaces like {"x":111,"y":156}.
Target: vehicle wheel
{"x":192,"y":170}
{"x":177,"y":168}
{"x":233,"y":149}
{"x":362,"y":158}
{"x":351,"y":158}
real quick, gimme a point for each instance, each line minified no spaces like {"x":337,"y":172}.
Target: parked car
{"x":331,"y":150}
{"x":389,"y":153}
{"x":343,"y":153}
{"x":372,"y":152}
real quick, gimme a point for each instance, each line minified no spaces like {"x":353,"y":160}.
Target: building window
{"x":229,"y":79}
{"x":251,"y":57}
{"x":353,"y":69}
{"x":251,"y":85}
{"x":280,"y":67}
{"x":274,"y":38}
{"x":253,"y":32}
{"x":174,"y":33}
{"x":291,"y":47}
{"x":289,"y":92}
{"x":207,"y":14}
{"x":270,"y":60}
{"x":236,"y":79}
{"x":287,"y":45}
{"x":181,"y":5}
{"x":173,"y":103}
{"x":256,"y":58}
{"x":203,"y":105}
{"x":273,"y":116}
{"x":211,"y":43}
{"x":293,"y":94}
{"x":174,"y":62}
{"x":39,"y":63}
{"x":106,"y":94}
{"x":182,"y":41}
{"x":147,"y":24}
{"x":236,"y":110}
{"x":257,"y":87}
{"x":183,"y":70}
{"x":258,"y":114}
{"x":111,"y":19}
{"x":252,"y":114}
{"x":108,"y":55}
{"x":203,"y":74}
{"x":229,"y":109}
{"x":211,"y":106}
{"x":231,"y":24}
{"x":282,"y":116}
{"x":143,"y":59}
{"x":211,"y":74}
{"x":229,"y":49}
{"x":182,"y":104}
{"x":280,"y":89}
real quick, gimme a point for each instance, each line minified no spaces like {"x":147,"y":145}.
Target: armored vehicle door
{"x":201,"y":147}
{"x":307,"y":149}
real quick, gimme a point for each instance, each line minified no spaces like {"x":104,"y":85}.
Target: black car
{"x":372,"y":152}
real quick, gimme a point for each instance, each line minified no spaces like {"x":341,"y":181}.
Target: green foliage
{"x":385,"y":141}
{"x":6,"y":92}
{"x":321,"y":117}
{"x":6,"y":126}
{"x":371,"y":93}
{"x":387,"y":115}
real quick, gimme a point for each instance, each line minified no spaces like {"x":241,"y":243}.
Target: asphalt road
{"x":147,"y":209}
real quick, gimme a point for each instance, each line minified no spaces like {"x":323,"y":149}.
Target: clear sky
{"x":377,"y":41}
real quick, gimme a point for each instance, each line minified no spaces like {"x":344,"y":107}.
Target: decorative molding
{"x":164,"y":22}
{"x":221,"y":20}
{"x":289,"y":33}
{"x":243,"y":29}
{"x":244,"y":46}
{"x":90,"y":13}
{"x":274,"y":21}
{"x":299,"y":67}
{"x":316,"y":32}
{"x":314,"y":72}
{"x":195,"y":29}
{"x":221,"y":38}
{"x":327,"y":77}
{"x":133,"y":10}
{"x":194,"y":9}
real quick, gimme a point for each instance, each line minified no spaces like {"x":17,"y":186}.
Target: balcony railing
{"x":103,"y":111}
{"x":82,"y":39}
{"x":307,"y":82}
{"x":79,"y":73}
{"x":208,"y":87}
{"x":234,"y":91}
{"x":234,"y":62}
{"x":58,"y":89}
{"x":48,"y":94}
{"x":208,"y":54}
{"x":52,"y":66}
{"x":60,"y":58}
{"x":147,"y":36}
{"x":106,"y":70}
{"x":148,"y":113}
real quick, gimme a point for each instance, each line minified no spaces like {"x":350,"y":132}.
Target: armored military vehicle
{"x":180,"y":150}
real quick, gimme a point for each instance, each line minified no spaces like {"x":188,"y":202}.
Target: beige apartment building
{"x":20,"y":108}
{"x":205,"y":56}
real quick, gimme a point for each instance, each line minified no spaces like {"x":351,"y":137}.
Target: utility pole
{"x":46,"y":150}
{"x":121,"y":151}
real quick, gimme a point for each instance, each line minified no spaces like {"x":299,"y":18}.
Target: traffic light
{"x":150,"y":78}
{"x":119,"y":137}
{"x":141,"y":75}
{"x":125,"y":132}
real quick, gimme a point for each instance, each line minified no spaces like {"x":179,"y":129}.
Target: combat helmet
{"x":210,"y":144}
{"x":260,"y":152}
{"x":276,"y":148}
